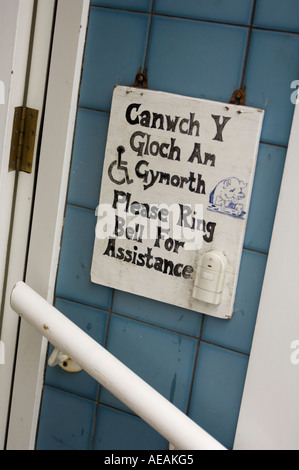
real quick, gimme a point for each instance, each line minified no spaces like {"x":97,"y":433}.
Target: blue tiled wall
{"x":200,"y":48}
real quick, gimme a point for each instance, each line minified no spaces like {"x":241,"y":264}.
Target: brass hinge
{"x":23,"y":139}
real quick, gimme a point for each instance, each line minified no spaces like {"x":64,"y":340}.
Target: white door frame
{"x":14,"y":44}
{"x":269,"y":416}
{"x":56,"y":150}
{"x":16,"y":47}
{"x":55,"y":156}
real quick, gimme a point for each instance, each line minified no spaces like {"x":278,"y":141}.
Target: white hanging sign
{"x":176,"y":186}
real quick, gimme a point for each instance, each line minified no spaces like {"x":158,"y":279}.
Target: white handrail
{"x":146,"y":402}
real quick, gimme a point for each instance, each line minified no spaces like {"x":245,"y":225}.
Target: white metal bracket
{"x":58,"y":358}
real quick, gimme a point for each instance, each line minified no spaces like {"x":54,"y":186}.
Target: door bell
{"x":210,"y":277}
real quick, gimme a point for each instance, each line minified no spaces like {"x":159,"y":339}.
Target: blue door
{"x":204,"y":49}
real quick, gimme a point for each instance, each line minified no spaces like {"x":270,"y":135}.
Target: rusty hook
{"x":141,"y":80}
{"x":239,"y":97}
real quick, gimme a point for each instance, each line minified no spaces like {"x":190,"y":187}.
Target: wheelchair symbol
{"x":120,"y":165}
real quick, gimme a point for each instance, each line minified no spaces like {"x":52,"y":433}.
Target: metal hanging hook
{"x":141,"y":80}
{"x":239,"y":97}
